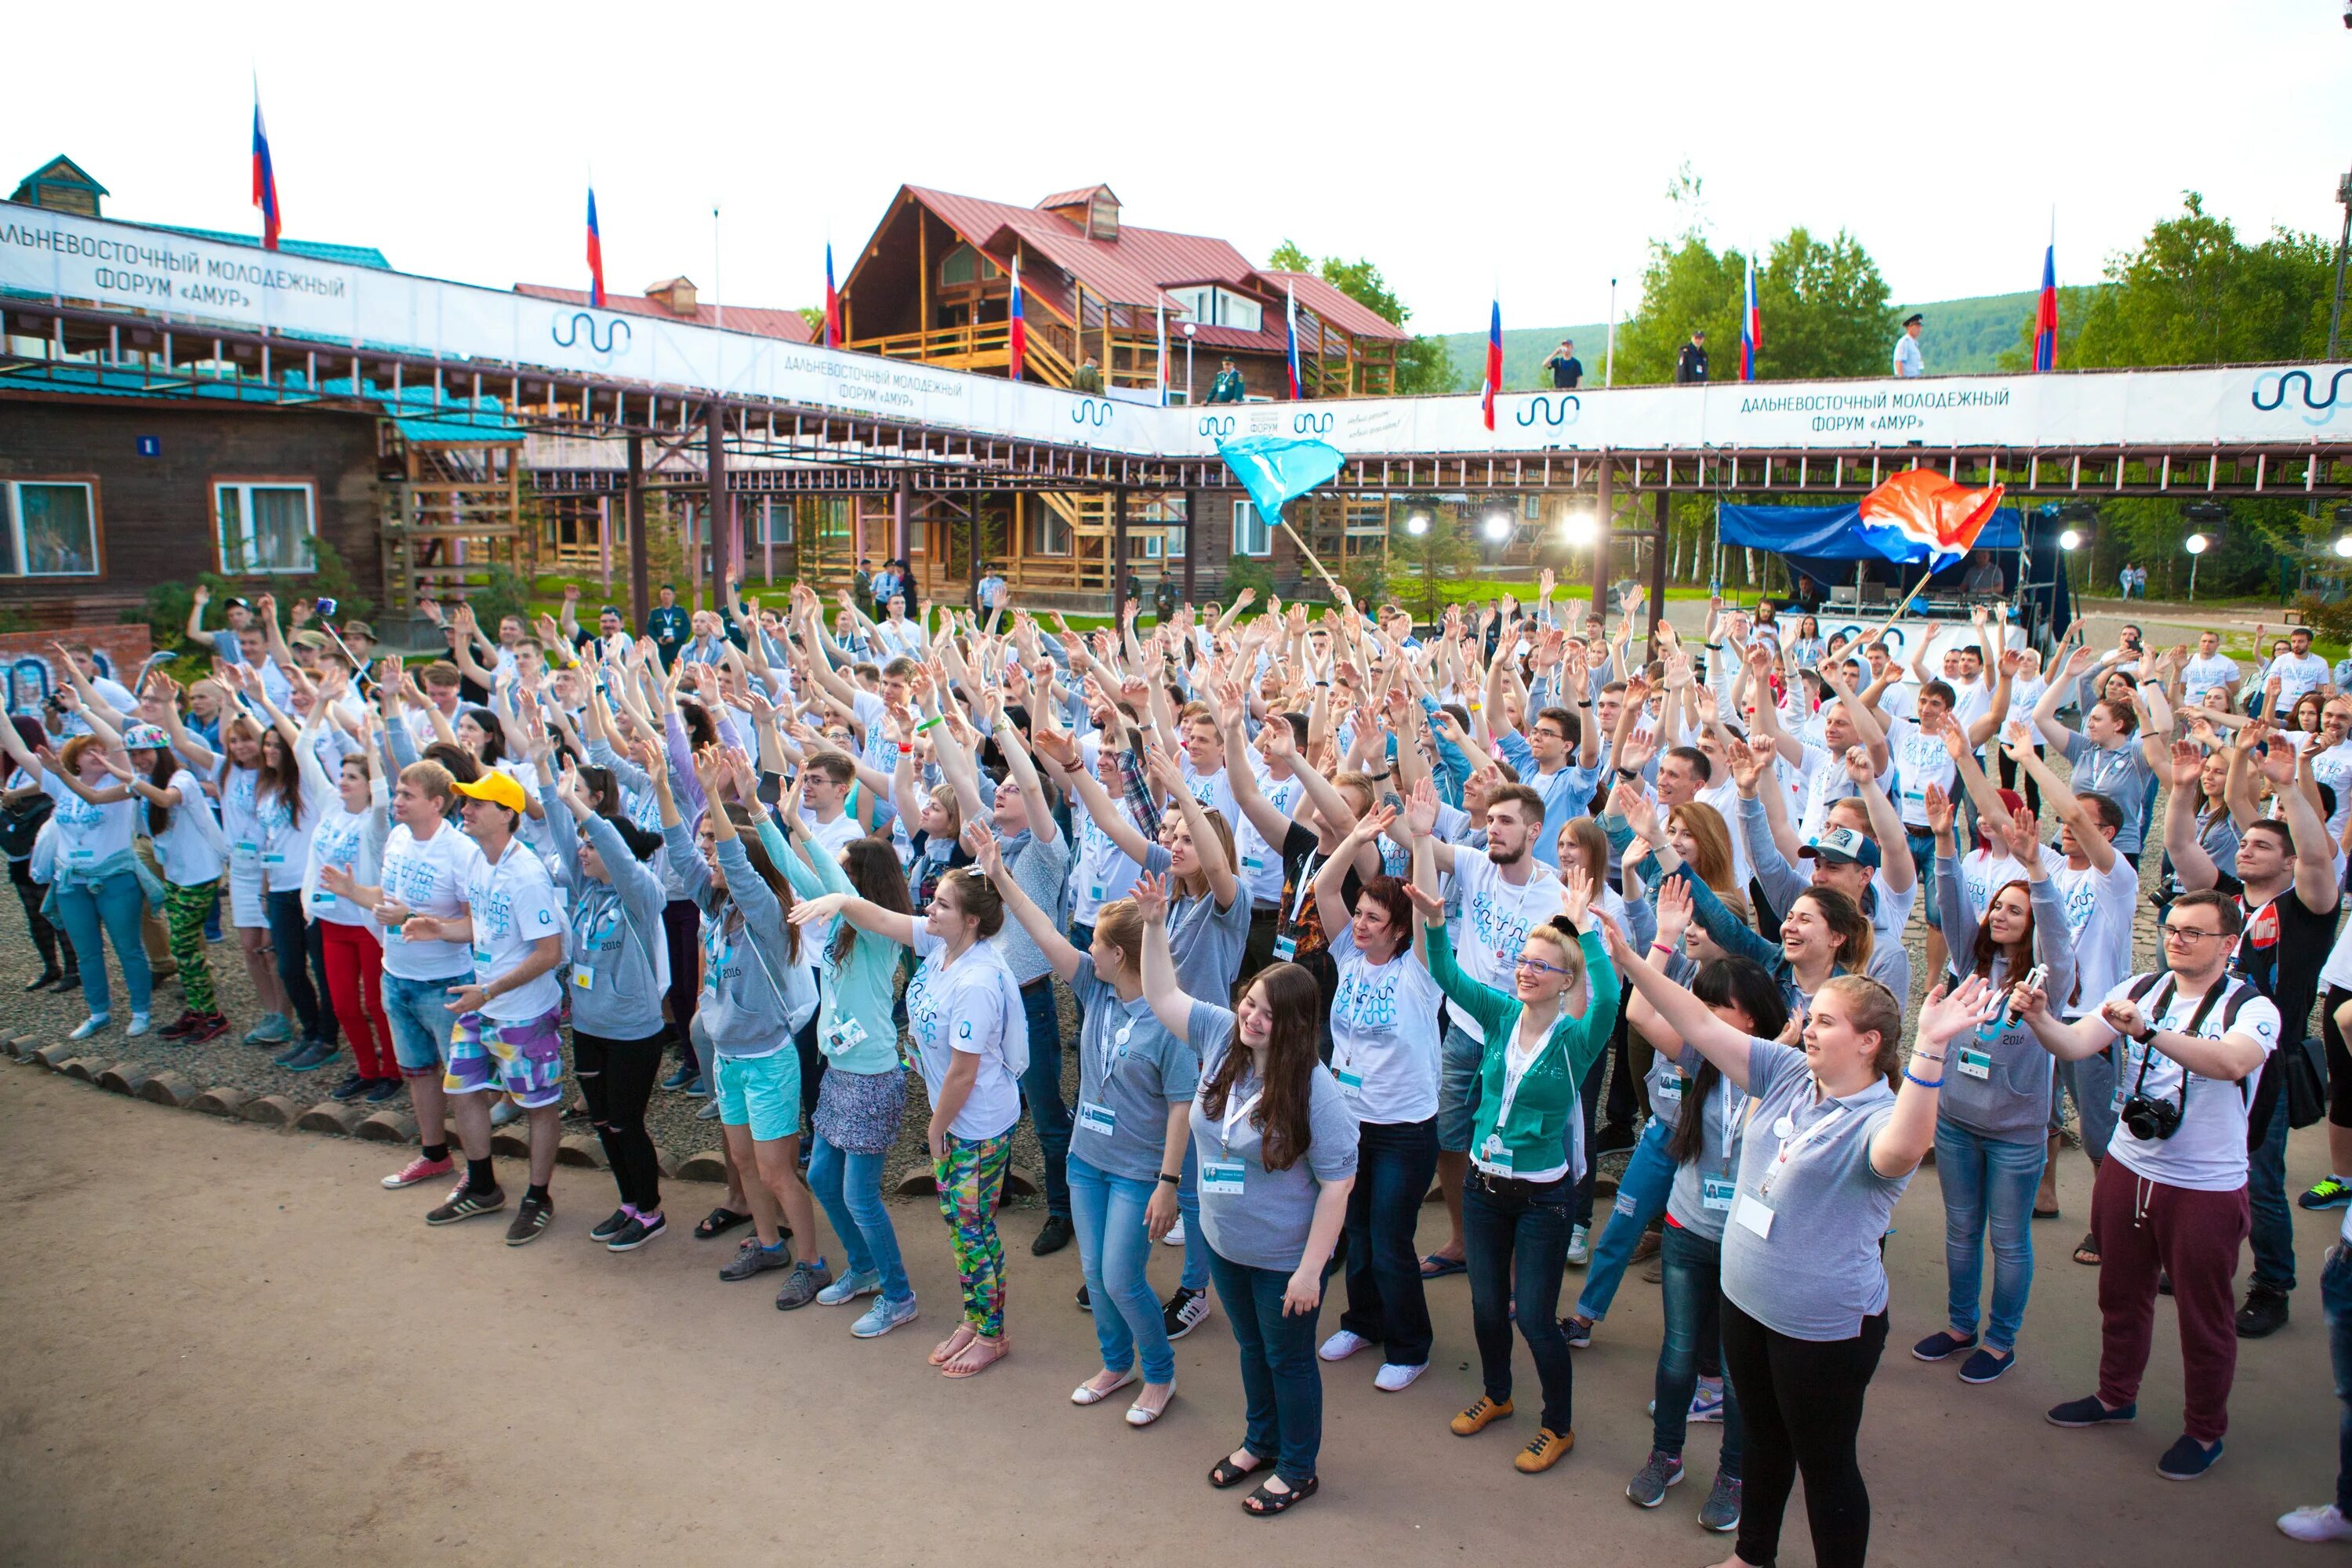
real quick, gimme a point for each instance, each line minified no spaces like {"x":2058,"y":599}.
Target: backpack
{"x":21,"y":824}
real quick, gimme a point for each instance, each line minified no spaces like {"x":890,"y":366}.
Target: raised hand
{"x":2187,"y":770}
{"x":1675,"y":910}
{"x":1150,"y":896}
{"x":823,"y":907}
{"x":2022,"y":837}
{"x":1938,"y":807}
{"x":981,"y":839}
{"x":1576,"y":896}
{"x":1431,"y":907}
{"x":1858,"y":769}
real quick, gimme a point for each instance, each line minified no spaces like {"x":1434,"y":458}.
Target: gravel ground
{"x":50,"y":1015}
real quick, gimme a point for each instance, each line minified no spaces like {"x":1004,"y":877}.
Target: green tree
{"x":1424,"y":363}
{"x":1430,"y":559}
{"x":1686,"y":287}
{"x":1824,"y":309}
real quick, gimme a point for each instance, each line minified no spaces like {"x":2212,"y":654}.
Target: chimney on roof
{"x":675,"y":295}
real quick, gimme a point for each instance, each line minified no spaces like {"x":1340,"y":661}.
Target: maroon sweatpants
{"x":2143,"y":1226}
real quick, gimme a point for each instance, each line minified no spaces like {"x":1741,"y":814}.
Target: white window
{"x":52,"y":531}
{"x":266,"y":527}
{"x":1252,"y":536}
{"x":1214,"y":307}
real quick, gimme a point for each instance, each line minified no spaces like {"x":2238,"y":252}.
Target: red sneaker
{"x":420,"y":1169}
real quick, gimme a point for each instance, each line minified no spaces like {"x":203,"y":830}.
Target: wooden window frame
{"x":294,"y":481}
{"x":88,"y":482}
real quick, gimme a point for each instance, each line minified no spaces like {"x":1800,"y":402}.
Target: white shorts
{"x":245,"y":907}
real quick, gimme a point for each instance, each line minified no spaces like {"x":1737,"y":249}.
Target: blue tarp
{"x":1837,"y":533}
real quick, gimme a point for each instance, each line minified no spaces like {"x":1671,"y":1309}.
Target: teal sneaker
{"x":850,"y":1287}
{"x":883,"y":1316}
{"x":273,"y":1030}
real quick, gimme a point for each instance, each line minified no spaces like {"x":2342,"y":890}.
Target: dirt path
{"x":228,"y":1345}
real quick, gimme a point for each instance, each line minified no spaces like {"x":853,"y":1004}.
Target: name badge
{"x":1098,"y":1120}
{"x":1353,"y":1082}
{"x":1221,"y":1178}
{"x":851,"y":1032}
{"x":1720,"y":1193}
{"x":82,"y":854}
{"x":584,"y":977}
{"x":1099,"y":893}
{"x":1976,"y":1064}
{"x":1672,"y":1089}
{"x":274,"y":858}
{"x":1753,"y":1215}
{"x":1253,"y":863}
{"x":1497,"y":1154}
{"x":482,"y":956}
{"x":247,"y":846}
{"x":322,"y":898}
{"x":1285,"y":948}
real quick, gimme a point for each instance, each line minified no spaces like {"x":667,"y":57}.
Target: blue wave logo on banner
{"x":1570,"y":407}
{"x":566,"y":331}
{"x":1218,"y":425}
{"x":2322,"y":410}
{"x":1304,"y":424}
{"x":1091,"y":411}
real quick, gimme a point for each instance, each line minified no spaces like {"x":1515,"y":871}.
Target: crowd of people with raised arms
{"x":1343,"y":907}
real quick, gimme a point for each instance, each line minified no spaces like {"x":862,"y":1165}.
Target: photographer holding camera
{"x":2172,"y":1197}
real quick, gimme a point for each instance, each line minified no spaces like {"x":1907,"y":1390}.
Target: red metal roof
{"x":1344,"y":312}
{"x":786,"y":325}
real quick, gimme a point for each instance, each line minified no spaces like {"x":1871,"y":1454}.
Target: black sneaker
{"x":533,"y":1215}
{"x":47,"y":978}
{"x":1053,"y":1237}
{"x":636,"y":1233}
{"x":350,"y":1089}
{"x":467,"y":1204}
{"x":608,"y":1228}
{"x":1085,"y":1302}
{"x":314,"y":1055}
{"x":181,"y":1027}
{"x":2263,"y":1314}
{"x":1184,"y":1311}
{"x":382,"y":1088}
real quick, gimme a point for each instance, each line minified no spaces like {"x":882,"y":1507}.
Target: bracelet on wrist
{"x":1923,"y":1083}
{"x":1172,"y":1181}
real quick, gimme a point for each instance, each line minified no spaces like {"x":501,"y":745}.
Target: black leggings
{"x":2033,"y":785}
{"x":682,"y":933}
{"x":1801,"y":1400}
{"x":32,"y":895}
{"x":2339,"y":1060}
{"x":618,"y":1077}
{"x":812,"y":1065}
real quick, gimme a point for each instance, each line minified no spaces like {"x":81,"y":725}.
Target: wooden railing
{"x":975,"y":345}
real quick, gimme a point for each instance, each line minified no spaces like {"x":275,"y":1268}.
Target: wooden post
{"x":768,"y":536}
{"x":1603,"y":508}
{"x":1657,"y":605}
{"x":1118,"y":553}
{"x":605,"y":541}
{"x":902,"y":503}
{"x":715,"y":458}
{"x":1192,"y":538}
{"x":975,"y":533}
{"x":641,"y":596}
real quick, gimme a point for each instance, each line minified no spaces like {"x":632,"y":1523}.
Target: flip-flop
{"x":958,"y":1367}
{"x":1435,"y":1266}
{"x":719,"y":1222}
{"x":953,"y":1346}
{"x":2051,"y":1213}
{"x":2090,"y":1246}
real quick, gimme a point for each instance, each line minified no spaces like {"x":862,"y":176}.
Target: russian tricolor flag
{"x":1751,"y":328}
{"x":1493,"y":382}
{"x":595,"y":255}
{"x":1159,"y":312}
{"x":1018,"y":343}
{"x":1290,"y":337}
{"x":2045,"y":319}
{"x":264,"y":177}
{"x":832,"y":302}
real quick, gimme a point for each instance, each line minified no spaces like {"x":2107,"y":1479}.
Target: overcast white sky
{"x":1465,"y":148}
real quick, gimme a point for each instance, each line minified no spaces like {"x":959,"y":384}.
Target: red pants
{"x":355,"y":988}
{"x":2143,"y":1226}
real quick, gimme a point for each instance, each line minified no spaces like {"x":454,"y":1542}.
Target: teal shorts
{"x":762,"y":1093}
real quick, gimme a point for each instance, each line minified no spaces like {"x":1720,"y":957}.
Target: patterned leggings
{"x":185,"y":910}
{"x":970,"y":1179}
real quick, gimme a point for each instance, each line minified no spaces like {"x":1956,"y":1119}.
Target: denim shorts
{"x":419,"y":1013}
{"x":762,"y":1093}
{"x":524,"y":1059}
{"x":1459,"y":1059}
{"x":1923,"y":855}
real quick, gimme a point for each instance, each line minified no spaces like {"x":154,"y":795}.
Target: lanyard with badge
{"x":1720,"y":1190}
{"x":1100,"y":1120}
{"x":1222,"y":1177}
{"x":1753,"y":1211}
{"x":1495,"y":1154}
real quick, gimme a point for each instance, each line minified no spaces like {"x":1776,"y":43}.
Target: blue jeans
{"x":2336,"y":1301}
{"x":1691,"y":1279}
{"x":1282,"y":1385}
{"x":1642,"y":1193}
{"x":295,"y":942}
{"x":2092,"y":1081}
{"x":2273,"y":1241}
{"x":1114,"y":1253}
{"x":1394,"y":1163}
{"x":1588,"y":1111}
{"x":1040,"y":1086}
{"x":1196,"y":1241}
{"x":1987,"y":1188}
{"x":1514,"y":1237}
{"x":419,"y":1014}
{"x":113,"y":906}
{"x":1922,"y":857}
{"x":850,"y":1187}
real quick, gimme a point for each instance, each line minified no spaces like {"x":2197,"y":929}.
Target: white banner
{"x":48,"y":254}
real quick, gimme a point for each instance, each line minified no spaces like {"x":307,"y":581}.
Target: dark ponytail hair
{"x":1737,"y":983}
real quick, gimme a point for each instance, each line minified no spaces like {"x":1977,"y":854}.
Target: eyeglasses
{"x":2187,"y":933}
{"x":1538,"y":966}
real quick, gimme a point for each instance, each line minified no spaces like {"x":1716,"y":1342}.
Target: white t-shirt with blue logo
{"x":88,"y":835}
{"x":960,"y":1006}
{"x":514,"y":907}
{"x":1384,"y":1032}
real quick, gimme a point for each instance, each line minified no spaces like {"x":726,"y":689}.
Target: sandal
{"x":2050,"y":1213}
{"x":2087,"y":1253}
{"x":953,"y":1346}
{"x":719,"y":1222}
{"x":1263,"y":1504}
{"x":1225,"y":1473}
{"x":990,"y":1351}
{"x":1437,"y":1266}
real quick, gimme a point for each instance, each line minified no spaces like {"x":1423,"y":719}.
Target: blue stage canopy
{"x":1838,"y":534}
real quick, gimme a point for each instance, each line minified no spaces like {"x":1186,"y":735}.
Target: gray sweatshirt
{"x":620,"y":961}
{"x":755,"y":993}
{"x":1997,"y":1077}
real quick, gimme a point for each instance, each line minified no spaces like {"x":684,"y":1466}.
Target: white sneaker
{"x":139,"y":1022}
{"x":1175,"y":1236}
{"x":1342,"y":1345}
{"x":1394,"y":1379}
{"x":2319,"y":1522}
{"x":1579,"y":1248}
{"x":90,"y":1026}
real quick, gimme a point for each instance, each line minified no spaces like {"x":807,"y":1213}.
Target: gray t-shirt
{"x":1043,"y":871}
{"x":1264,"y":1225}
{"x":1205,"y":942}
{"x":1818,"y":1273}
{"x":1701,"y":1199}
{"x":1130,"y":1070}
{"x":2119,"y":772}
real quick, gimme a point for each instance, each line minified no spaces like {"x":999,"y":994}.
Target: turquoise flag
{"x":1275,"y":469}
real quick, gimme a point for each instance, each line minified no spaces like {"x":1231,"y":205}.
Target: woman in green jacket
{"x":1527,"y":1149}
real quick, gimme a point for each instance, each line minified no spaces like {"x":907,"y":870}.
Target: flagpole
{"x":718,"y":309}
{"x":1609,"y":363}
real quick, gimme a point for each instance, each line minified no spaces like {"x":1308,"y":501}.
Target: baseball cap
{"x":140,"y":736}
{"x":1838,"y":846}
{"x":499,"y":789}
